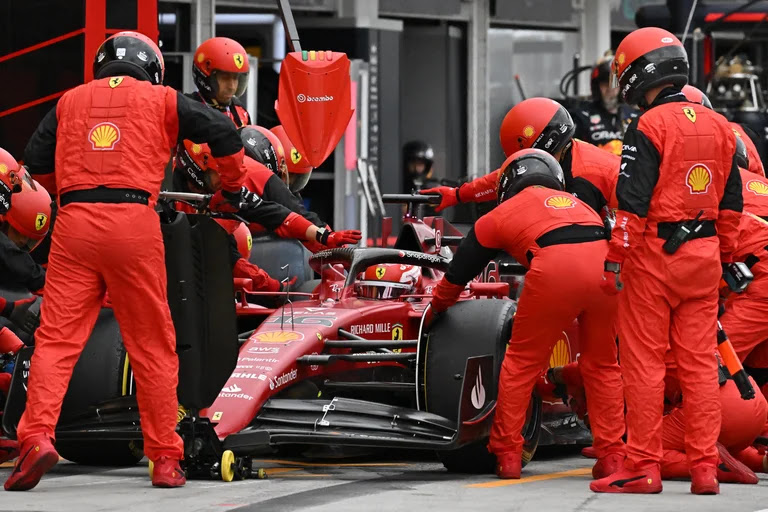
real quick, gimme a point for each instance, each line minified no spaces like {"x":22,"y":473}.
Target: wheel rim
{"x":151,"y":468}
{"x":228,"y":466}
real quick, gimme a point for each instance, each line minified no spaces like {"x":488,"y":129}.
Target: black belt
{"x":105,"y":195}
{"x":571,"y":234}
{"x":665,"y":229}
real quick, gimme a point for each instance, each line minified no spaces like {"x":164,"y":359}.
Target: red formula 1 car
{"x":342,"y":365}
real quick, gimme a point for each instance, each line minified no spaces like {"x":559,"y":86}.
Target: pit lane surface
{"x":557,"y":482}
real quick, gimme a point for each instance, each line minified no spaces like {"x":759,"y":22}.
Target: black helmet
{"x":600,"y":73}
{"x":419,"y":150}
{"x":264,"y":147}
{"x":647,"y":58}
{"x":742,"y":157}
{"x":132,"y":54}
{"x":527,"y":168}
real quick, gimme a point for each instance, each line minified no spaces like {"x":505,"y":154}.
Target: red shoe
{"x":168,"y":473}
{"x":642,"y":481}
{"x":704,"y":479}
{"x":731,"y":471}
{"x":508,"y":465}
{"x":38,"y":456}
{"x":9,"y":450}
{"x":608,"y":465}
{"x":589,"y":452}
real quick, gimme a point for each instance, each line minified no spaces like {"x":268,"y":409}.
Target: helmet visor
{"x":379,"y":290}
{"x":23,"y":242}
{"x":297,"y":182}
{"x":229,"y":82}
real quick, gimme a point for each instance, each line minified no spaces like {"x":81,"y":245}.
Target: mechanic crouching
{"x":563,"y":242}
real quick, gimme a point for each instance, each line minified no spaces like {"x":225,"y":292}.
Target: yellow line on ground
{"x":302,"y":475}
{"x":274,"y":471}
{"x":7,"y":464}
{"x":535,"y":478}
{"x":331,"y":465}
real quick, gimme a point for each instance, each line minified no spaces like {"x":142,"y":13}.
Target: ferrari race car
{"x":337,"y":364}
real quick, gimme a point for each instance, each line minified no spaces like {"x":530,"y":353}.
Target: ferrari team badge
{"x":380,"y":271}
{"x":295,"y":156}
{"x":239,"y":60}
{"x":115,"y":81}
{"x":40,"y":221}
{"x":690,"y":114}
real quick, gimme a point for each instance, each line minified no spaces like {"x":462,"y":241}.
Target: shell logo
{"x":561,"y":353}
{"x":104,"y":136}
{"x":279,"y":336}
{"x":698,"y":179}
{"x":239,"y":61}
{"x":197,"y":148}
{"x":200,"y":57}
{"x":528,"y":131}
{"x":559,"y":202}
{"x":3,"y":169}
{"x":758,"y":187}
{"x":295,"y":156}
{"x":621,"y":58}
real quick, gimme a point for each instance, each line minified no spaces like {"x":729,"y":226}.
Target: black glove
{"x":26,"y":314}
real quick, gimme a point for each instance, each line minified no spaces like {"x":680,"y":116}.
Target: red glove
{"x":261,"y":280}
{"x":449,"y":196}
{"x":335,"y":239}
{"x":445,"y":295}
{"x":225,"y":201}
{"x":611,"y":283}
{"x":9,"y":342}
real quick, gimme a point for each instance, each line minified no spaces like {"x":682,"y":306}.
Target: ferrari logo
{"x":380,"y":272}
{"x":561,"y":354}
{"x":217,"y":416}
{"x":249,"y":241}
{"x":559,"y":202}
{"x":397,"y":332}
{"x":295,"y":156}
{"x":115,"y":81}
{"x":698,"y":179}
{"x":690,"y":114}
{"x":736,"y":132}
{"x":40,"y":221}
{"x":239,"y":61}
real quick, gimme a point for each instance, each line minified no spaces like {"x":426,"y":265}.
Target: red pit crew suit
{"x":116,"y":133}
{"x":678,"y":159}
{"x":590,"y":174}
{"x":562,"y":241}
{"x":755,"y":163}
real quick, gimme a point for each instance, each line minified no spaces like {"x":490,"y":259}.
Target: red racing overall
{"x":755,"y":163}
{"x":115,"y":133}
{"x":678,"y":160}
{"x":562,"y":241}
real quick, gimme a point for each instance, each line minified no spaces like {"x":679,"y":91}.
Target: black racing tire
{"x":471,"y":328}
{"x":101,"y":453}
{"x":102,"y":373}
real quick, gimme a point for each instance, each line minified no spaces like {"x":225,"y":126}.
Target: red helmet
{"x":265,"y":147}
{"x":696,"y":95}
{"x":28,"y":220}
{"x":527,"y":168}
{"x":244,"y":240}
{"x":538,"y":123}
{"x":388,"y":281}
{"x":647,"y":58}
{"x":197,"y":164}
{"x":219,"y":54}
{"x":298,"y":168}
{"x":10,"y":179}
{"x":132,"y":54}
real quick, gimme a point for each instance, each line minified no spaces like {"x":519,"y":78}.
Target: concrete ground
{"x":556,"y":482}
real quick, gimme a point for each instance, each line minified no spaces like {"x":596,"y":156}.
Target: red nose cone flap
{"x":313,"y":102}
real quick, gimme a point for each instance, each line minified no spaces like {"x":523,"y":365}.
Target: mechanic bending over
{"x":677,"y":221}
{"x":540,"y":123}
{"x":220,"y":70}
{"x":103,"y":149}
{"x":197,"y":170}
{"x":563,"y":243}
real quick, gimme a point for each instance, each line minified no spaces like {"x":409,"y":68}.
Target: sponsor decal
{"x":234,"y":388}
{"x":263,"y":350}
{"x":234,"y":391}
{"x":258,"y":359}
{"x":690,"y":114}
{"x":397,"y":332}
{"x":40,"y":221}
{"x":528,"y":131}
{"x":319,"y":336}
{"x":200,"y":57}
{"x":561,"y":352}
{"x":104,"y":136}
{"x":115,"y":81}
{"x":142,"y":56}
{"x":666,"y":40}
{"x":239,"y":60}
{"x":698,"y":179}
{"x":621,"y":58}
{"x":301,"y":98}
{"x":248,"y":375}
{"x":278,"y":336}
{"x":3,"y":169}
{"x":478,"y":391}
{"x":101,"y":57}
{"x":371,"y":328}
{"x":563,"y":128}
{"x":650,"y":68}
{"x":241,"y":366}
{"x":758,"y":187}
{"x":295,"y":156}
{"x":633,"y":78}
{"x":303,"y":320}
{"x":120,"y":53}
{"x":380,"y":271}
{"x":282,"y":380}
{"x":217,"y":415}
{"x":627,"y":148}
{"x":559,"y":202}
